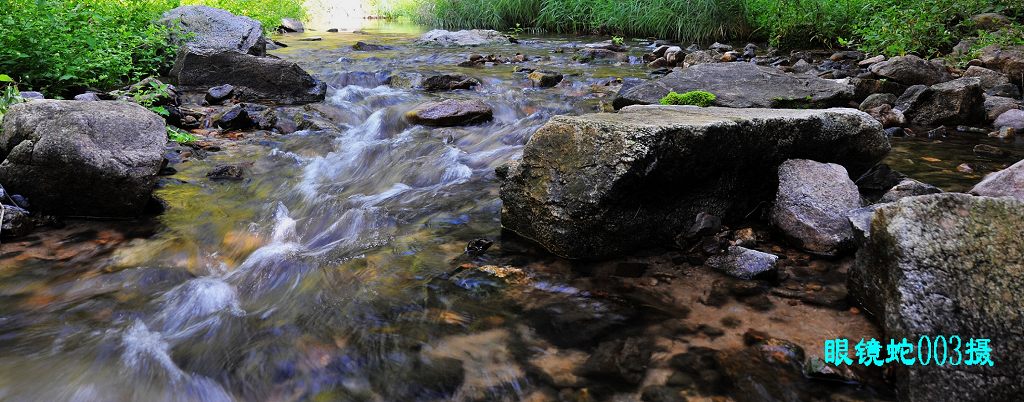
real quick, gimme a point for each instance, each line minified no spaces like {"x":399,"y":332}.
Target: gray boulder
{"x":292,"y":25}
{"x":876,"y":100}
{"x":910,"y":70}
{"x":948,"y":264}
{"x":449,"y":82}
{"x":997,"y":105}
{"x":1007,"y":60}
{"x":17,"y":222}
{"x":82,"y":158}
{"x":545,"y":79}
{"x":989,"y":79}
{"x":743,"y":263}
{"x":741,"y":85}
{"x":472,"y":37}
{"x":450,"y":113}
{"x":908,"y":188}
{"x":214,"y":28}
{"x":960,"y":101}
{"x":253,"y":78}
{"x":602,"y":184}
{"x":812,"y":204}
{"x":1013,"y":118}
{"x":1008,"y":182}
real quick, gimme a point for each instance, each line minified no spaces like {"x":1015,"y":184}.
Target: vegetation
{"x":62,"y":47}
{"x":9,"y":95}
{"x":695,"y":98}
{"x":925,"y":27}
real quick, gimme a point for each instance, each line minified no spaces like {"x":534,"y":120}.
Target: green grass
{"x":695,"y":98}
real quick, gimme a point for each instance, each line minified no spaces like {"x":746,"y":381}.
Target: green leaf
{"x":6,"y":78}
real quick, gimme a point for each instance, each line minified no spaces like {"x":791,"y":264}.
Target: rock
{"x":719,"y":47}
{"x":448,"y":82}
{"x":601,"y":184}
{"x":811,"y":205}
{"x":871,"y":60}
{"x":478,"y":247}
{"x":997,"y":105}
{"x":590,"y":55}
{"x":704,"y":224}
{"x":234,"y":118}
{"x":213,"y":28}
{"x":948,"y":264}
{"x":743,"y":263}
{"x":1007,"y":60}
{"x":1008,"y":182}
{"x":369,"y":47}
{"x":622,"y":360}
{"x":989,"y":151}
{"x":910,"y":70}
{"x":888,"y":116}
{"x":332,"y":30}
{"x":674,"y":55}
{"x":908,"y":188}
{"x":226,"y":172}
{"x":860,"y":220}
{"x":311,"y":39}
{"x":450,"y":113}
{"x":660,"y":50}
{"x":291,"y":25}
{"x":863,"y":87}
{"x":82,"y":158}
{"x":254,"y":78}
{"x":558,"y":367}
{"x":701,"y":57}
{"x":88,"y":97}
{"x":741,"y":85}
{"x":218,"y":94}
{"x":17,"y":222}
{"x":1013,"y":118}
{"x":990,"y":21}
{"x":473,"y":37}
{"x":545,"y":79}
{"x":989,"y":79}
{"x":876,"y":100}
{"x":32,"y":95}
{"x":960,"y":101}
{"x":1003,"y":133}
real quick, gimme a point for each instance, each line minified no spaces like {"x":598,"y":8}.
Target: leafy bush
{"x":800,"y":22}
{"x":924,"y":27}
{"x":9,"y":95}
{"x":696,"y":98}
{"x":63,"y":46}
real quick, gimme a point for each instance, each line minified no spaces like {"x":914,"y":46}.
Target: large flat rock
{"x":741,"y":85}
{"x":601,"y":184}
{"x":948,"y":264}
{"x":214,"y":28}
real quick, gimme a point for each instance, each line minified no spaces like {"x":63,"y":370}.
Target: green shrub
{"x":924,"y":27}
{"x":9,"y":95}
{"x":696,"y":98}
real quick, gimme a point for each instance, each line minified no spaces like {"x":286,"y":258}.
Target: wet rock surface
{"x":811,"y":205}
{"x":930,"y":256}
{"x":560,"y":193}
{"x":253,"y":78}
{"x":450,"y":113}
{"x":1008,"y":182}
{"x":82,"y":158}
{"x":472,"y":37}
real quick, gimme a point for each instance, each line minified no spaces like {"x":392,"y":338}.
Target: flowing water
{"x":325,"y":274}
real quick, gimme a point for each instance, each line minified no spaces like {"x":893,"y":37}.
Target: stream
{"x":330,"y":272}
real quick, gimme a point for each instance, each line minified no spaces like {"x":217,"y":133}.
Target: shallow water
{"x":324,"y":274}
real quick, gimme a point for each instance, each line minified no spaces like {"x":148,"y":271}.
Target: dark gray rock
{"x":473,"y":37}
{"x":292,"y":25}
{"x":622,"y":360}
{"x":598,"y":55}
{"x":213,"y":28}
{"x":545,"y":79}
{"x":888,"y":116}
{"x":1008,"y":182}
{"x":910,"y":70}
{"x":811,"y":205}
{"x":741,"y":85}
{"x":876,"y":100}
{"x":960,"y":101}
{"x":82,"y":158}
{"x":997,"y":105}
{"x":743,"y":263}
{"x":948,"y":264}
{"x":254,"y":78}
{"x":602,"y":184}
{"x":218,"y":94}
{"x":226,"y":172}
{"x":908,"y":188}
{"x":448,"y":82}
{"x":860,"y":220}
{"x":369,"y":47}
{"x":450,"y":113}
{"x":17,"y":222}
{"x":989,"y":78}
{"x":1008,"y":60}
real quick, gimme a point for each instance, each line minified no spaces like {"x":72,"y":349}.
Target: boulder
{"x":369,"y":47}
{"x":1013,"y":118}
{"x":448,"y":82}
{"x":17,"y":222}
{"x":472,"y":37}
{"x":743,"y":263}
{"x":450,"y":113}
{"x":545,"y":79}
{"x":1008,"y":182}
{"x":602,"y":184}
{"x":888,"y":116}
{"x":213,"y":28}
{"x":812,"y":203}
{"x":997,"y":105}
{"x":910,"y":70}
{"x":32,"y":95}
{"x":1007,"y":60}
{"x":741,"y":85}
{"x":82,"y":158}
{"x":253,"y":78}
{"x":291,"y":25}
{"x":960,"y":101}
{"x":591,"y":55}
{"x":948,"y":264}
{"x":218,"y":94}
{"x":876,"y":100}
{"x":701,"y":57}
{"x":989,"y":79}
{"x":908,"y":188}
